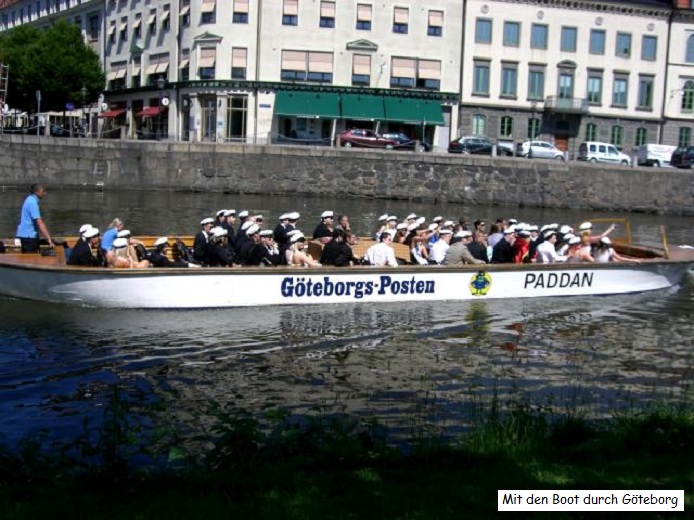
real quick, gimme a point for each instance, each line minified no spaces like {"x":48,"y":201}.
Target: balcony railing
{"x":566,"y":105}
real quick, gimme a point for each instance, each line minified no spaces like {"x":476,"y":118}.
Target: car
{"x":366,"y":139}
{"x":682,"y":157}
{"x":540,"y":150}
{"x":595,"y":152}
{"x":656,"y":155}
{"x":476,"y":145}
{"x":405,"y":142}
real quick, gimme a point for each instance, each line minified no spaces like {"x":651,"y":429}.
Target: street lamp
{"x":161,"y":83}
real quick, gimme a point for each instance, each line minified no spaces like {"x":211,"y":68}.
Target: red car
{"x":365,"y":139}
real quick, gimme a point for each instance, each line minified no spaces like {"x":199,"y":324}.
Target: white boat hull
{"x":237,"y":287}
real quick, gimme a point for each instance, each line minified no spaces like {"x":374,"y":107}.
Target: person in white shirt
{"x":381,"y":254}
{"x":437,"y":252}
{"x":546,"y":251}
{"x":605,"y":253}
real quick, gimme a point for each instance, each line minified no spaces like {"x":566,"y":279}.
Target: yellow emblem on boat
{"x":480,"y":283}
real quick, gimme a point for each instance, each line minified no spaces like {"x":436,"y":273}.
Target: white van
{"x":655,"y":154}
{"x":602,"y":152}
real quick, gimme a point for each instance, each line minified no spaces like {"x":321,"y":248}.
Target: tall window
{"x":534,"y":127}
{"x":509,"y":79}
{"x":361,"y":70}
{"x":429,"y":74}
{"x":619,"y":91}
{"x":238,"y":63}
{"x":94,"y":27}
{"x":479,"y":124}
{"x":290,"y":12}
{"x":240,"y":11}
{"x":617,"y":136}
{"x":538,"y":36}
{"x":206,"y":64}
{"x":623,"y":47}
{"x":483,"y":30}
{"x":597,"y":41}
{"x":591,"y":132}
{"x":511,"y":34}
{"x":363,"y":17}
{"x":327,"y":14}
{"x":568,"y":39}
{"x":649,"y":48}
{"x":480,"y":80}
{"x":685,"y":137}
{"x":435,"y":23}
{"x":645,"y":101}
{"x":566,"y":85}
{"x":506,"y":127}
{"x":401,"y":20}
{"x":208,"y":11}
{"x":688,"y":97}
{"x":641,"y":136}
{"x":594,"y":93}
{"x":689,"y":58}
{"x":536,"y":82}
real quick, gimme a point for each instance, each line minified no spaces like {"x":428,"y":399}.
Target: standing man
{"x":30,"y":221}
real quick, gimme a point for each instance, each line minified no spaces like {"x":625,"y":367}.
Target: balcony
{"x":566,"y":105}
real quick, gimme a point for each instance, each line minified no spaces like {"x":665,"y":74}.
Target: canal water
{"x":414,"y":369}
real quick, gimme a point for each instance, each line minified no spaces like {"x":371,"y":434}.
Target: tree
{"x":55,"y":61}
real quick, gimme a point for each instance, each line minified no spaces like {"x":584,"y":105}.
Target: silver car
{"x":540,"y":150}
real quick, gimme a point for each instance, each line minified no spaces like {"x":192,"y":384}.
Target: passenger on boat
{"x":521,"y":246}
{"x":502,"y":252}
{"x":158,"y":256}
{"x":479,"y":225}
{"x":221,"y":218}
{"x":251,"y":234}
{"x":478,"y":246}
{"x":243,"y":218}
{"x":400,"y":233}
{"x":297,"y":256}
{"x":30,"y":221}
{"x":201,"y":240}
{"x":265,"y":253}
{"x":343,"y":223}
{"x":604,"y":253}
{"x":258,"y":219}
{"x":496,"y":233}
{"x":458,"y":253}
{"x":110,"y":235}
{"x":437,"y":252}
{"x":337,"y":252}
{"x":587,"y":227}
{"x":218,"y":252}
{"x":86,"y":251}
{"x":382,"y":253}
{"x":380,"y":226}
{"x":230,"y":215}
{"x":586,"y":248}
{"x":324,"y":229}
{"x":123,"y":256}
{"x":546,"y":251}
{"x":419,"y":254}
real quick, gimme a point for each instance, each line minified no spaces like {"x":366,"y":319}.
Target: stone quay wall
{"x":318,"y":171}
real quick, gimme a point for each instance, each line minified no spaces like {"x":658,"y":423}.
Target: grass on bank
{"x":339,"y":469}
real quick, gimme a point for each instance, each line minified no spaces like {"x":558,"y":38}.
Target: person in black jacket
{"x":201,"y":240}
{"x":324,"y":228}
{"x":158,"y":256}
{"x":502,"y":253}
{"x":265,"y":252}
{"x":337,"y":252}
{"x":87,"y":252}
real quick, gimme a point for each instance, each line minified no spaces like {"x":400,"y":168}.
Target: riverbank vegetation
{"x":339,"y":467}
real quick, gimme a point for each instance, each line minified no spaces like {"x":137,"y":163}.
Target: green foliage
{"x":55,"y":61}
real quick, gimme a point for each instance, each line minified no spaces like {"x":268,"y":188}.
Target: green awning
{"x":362,"y":107}
{"x":307,"y":104}
{"x":413,"y":111}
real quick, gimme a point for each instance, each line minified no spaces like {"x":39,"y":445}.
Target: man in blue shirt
{"x":31,"y":223}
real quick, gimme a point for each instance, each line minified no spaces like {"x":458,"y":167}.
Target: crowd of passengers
{"x":242,"y":240}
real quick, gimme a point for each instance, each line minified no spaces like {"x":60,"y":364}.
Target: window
{"x":136,"y":75}
{"x":509,"y":79}
{"x":361,"y":70}
{"x":568,"y":39}
{"x":435,"y":26}
{"x":591,"y":132}
{"x":617,"y":136}
{"x":479,"y":124}
{"x":206,"y":64}
{"x":619,"y":91}
{"x":511,"y":34}
{"x":403,"y":72}
{"x":534,"y":127}
{"x":645,"y":100}
{"x":240,"y":11}
{"x":184,"y":66}
{"x":208,"y":14}
{"x":184,"y":13}
{"x":623,"y":47}
{"x":137,"y":26}
{"x":165,"y":21}
{"x":152,"y":22}
{"x":429,"y":74}
{"x":506,"y":127}
{"x":363,"y":17}
{"x":597,"y":41}
{"x":112,"y":32}
{"x":480,"y":79}
{"x":290,"y":12}
{"x":685,"y":137}
{"x":401,"y":19}
{"x":538,"y":36}
{"x":594,"y":91}
{"x":649,"y":48}
{"x":483,"y":31}
{"x":689,"y":58}
{"x":536,"y":82}
{"x":123,"y":29}
{"x":327,"y":14}
{"x":566,"y":85}
{"x":320,"y":67}
{"x":238,"y":63}
{"x":641,"y":136}
{"x":94,"y":27}
{"x":307,"y":66}
{"x":688,"y":97}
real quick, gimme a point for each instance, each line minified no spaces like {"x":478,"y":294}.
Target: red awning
{"x":150,"y":111}
{"x":112,"y":113}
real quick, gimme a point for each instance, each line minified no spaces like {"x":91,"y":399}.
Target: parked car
{"x":683,"y":157}
{"x":656,"y":155}
{"x":366,"y":139}
{"x":405,"y":142}
{"x":595,"y":152}
{"x":476,"y":145}
{"x":540,"y":150}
